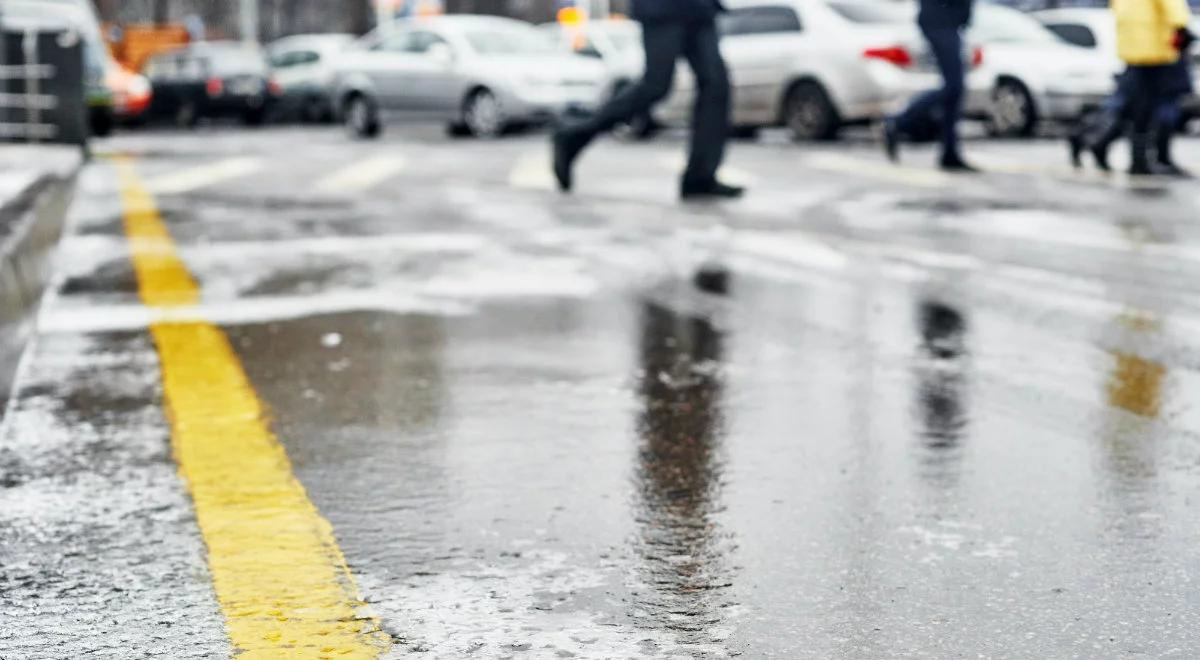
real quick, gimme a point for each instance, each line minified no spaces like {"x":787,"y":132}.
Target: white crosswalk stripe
{"x":362,"y":175}
{"x":203,"y":176}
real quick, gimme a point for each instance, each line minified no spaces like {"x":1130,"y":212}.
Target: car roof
{"x":460,"y":21}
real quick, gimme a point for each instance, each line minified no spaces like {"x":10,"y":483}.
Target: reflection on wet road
{"x":889,"y":418}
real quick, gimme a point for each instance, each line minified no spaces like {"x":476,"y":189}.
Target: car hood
{"x":544,"y":66}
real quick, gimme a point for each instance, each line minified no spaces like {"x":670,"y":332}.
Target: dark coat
{"x":676,"y":11}
{"x":945,"y":13}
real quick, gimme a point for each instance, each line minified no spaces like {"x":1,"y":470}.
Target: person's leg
{"x":948,"y":51}
{"x":1166,"y":119}
{"x":1144,"y":101}
{"x":663,"y":45}
{"x":710,"y":116}
{"x":919,"y":109}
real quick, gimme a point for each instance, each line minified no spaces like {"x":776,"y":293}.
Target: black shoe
{"x":1075,"y":143}
{"x":891,"y":140}
{"x":957,"y":164}
{"x":710,"y":190}
{"x":1100,"y":153}
{"x":1173,"y":170}
{"x":567,"y":145}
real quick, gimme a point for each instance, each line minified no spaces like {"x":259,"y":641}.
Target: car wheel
{"x":102,"y":122}
{"x":484,"y":115}
{"x":1012,"y":113}
{"x":809,"y":114}
{"x":362,"y":117}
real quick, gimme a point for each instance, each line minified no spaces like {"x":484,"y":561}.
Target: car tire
{"x":362,"y":117}
{"x":1012,"y":113}
{"x":101,"y":122}
{"x":808,"y":113}
{"x":484,"y":115}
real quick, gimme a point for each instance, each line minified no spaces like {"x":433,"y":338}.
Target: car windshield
{"x":1002,"y":25}
{"x":509,"y":41}
{"x":62,"y":14}
{"x":873,"y":12}
{"x":236,"y":60}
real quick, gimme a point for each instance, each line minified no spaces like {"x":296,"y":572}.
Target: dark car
{"x":211,"y":79}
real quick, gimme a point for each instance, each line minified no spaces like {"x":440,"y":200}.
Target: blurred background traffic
{"x":484,"y":69}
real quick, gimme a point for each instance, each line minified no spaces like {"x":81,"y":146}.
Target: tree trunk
{"x":162,"y":12}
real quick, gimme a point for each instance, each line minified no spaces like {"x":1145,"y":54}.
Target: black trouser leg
{"x":710,"y":116}
{"x":1147,"y":85}
{"x":664,"y":43}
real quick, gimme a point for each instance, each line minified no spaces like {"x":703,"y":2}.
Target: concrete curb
{"x":36,"y":188}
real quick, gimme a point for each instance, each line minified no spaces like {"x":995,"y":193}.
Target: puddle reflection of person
{"x":941,"y":386}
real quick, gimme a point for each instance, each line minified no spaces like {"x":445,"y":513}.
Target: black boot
{"x":1106,"y":134}
{"x":1166,"y":164}
{"x":1140,"y":144}
{"x":568,"y":142}
{"x":1075,"y":144}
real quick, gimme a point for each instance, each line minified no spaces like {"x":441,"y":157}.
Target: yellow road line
{"x":279,"y":576}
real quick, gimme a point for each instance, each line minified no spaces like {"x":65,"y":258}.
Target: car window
{"x":510,"y":41}
{"x":1076,"y":33}
{"x":760,"y":20}
{"x":1002,"y":25}
{"x":235,"y":60}
{"x":421,"y":42}
{"x":872,"y":13}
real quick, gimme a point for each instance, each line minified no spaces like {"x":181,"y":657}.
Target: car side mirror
{"x":441,"y":53}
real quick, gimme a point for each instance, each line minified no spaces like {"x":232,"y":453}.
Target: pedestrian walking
{"x":1170,"y":111}
{"x":942,"y":23}
{"x":670,"y":29}
{"x":1151,"y":34}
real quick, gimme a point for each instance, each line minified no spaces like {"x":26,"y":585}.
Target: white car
{"x":304,"y":67}
{"x":1033,"y":74}
{"x":1095,"y":28}
{"x":479,"y":74}
{"x":815,"y":66}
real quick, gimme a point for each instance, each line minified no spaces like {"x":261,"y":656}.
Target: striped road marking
{"x":203,"y":176}
{"x":534,"y":171}
{"x":362,"y":175}
{"x":279,"y":576}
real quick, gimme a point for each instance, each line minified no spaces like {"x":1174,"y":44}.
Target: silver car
{"x":304,"y":67}
{"x":1095,"y":28}
{"x":815,"y":66}
{"x":479,"y":74}
{"x":1033,"y":74}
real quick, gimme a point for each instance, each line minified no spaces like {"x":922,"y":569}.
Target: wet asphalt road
{"x":918,"y":416}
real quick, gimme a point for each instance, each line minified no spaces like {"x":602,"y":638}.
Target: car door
{"x":388,"y":64}
{"x":431,"y":74}
{"x":760,"y":48}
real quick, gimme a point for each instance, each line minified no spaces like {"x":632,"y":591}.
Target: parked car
{"x":304,"y":68}
{"x":131,"y":93}
{"x":1095,"y":28}
{"x":479,"y":74}
{"x":617,"y":44}
{"x":1034,"y":74}
{"x":815,"y":66}
{"x":80,"y":15}
{"x":211,"y":79}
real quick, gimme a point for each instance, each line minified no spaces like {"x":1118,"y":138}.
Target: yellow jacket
{"x":1146,"y":30}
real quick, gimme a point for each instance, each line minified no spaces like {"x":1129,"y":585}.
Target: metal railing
{"x":34,"y":76}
